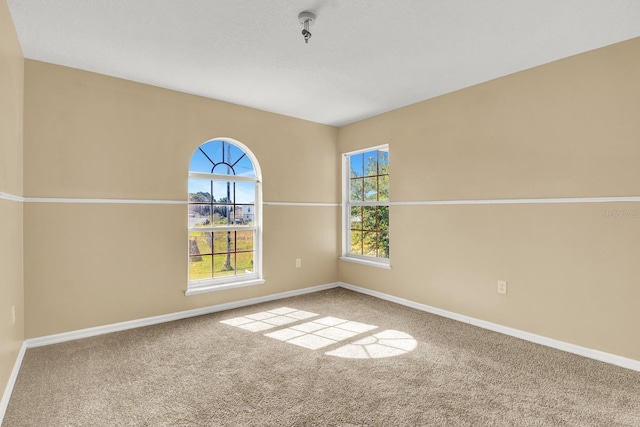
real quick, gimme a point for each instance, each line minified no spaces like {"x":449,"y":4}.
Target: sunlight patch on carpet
{"x":387,"y":343}
{"x":321,"y":332}
{"x":325,"y":332}
{"x":269,"y":319}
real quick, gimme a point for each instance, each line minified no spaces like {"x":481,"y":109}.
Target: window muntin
{"x":224,"y":215}
{"x":367,"y":204}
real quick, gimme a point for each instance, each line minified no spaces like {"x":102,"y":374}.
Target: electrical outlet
{"x":502,"y":287}
{"x":298,"y":263}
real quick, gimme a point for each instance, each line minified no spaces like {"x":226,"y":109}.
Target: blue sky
{"x":358,"y":161}
{"x":245,"y":191}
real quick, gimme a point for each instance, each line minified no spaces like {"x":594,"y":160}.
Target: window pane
{"x":244,"y":262}
{"x":244,"y":214}
{"x":224,"y":265}
{"x":383,"y":245}
{"x":232,"y":154}
{"x":356,"y":242}
{"x":199,"y":190}
{"x":213,"y":150}
{"x":370,"y":243}
{"x":224,"y":241}
{"x":199,"y":243}
{"x":371,"y":163}
{"x":199,"y":215}
{"x":199,"y":267}
{"x":244,"y":167}
{"x":383,"y":187}
{"x":355,"y":189}
{"x":223,"y":215}
{"x":356,"y":217}
{"x":370,"y":188}
{"x":244,"y":240}
{"x":245,"y":192}
{"x":383,"y":162}
{"x":200,"y":163}
{"x":222,"y":192}
{"x":355,"y":165}
{"x":382,"y":214}
{"x":369,"y":217}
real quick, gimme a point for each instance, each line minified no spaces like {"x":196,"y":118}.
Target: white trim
{"x":259,"y":223}
{"x":371,"y":203}
{"x":527,"y":336}
{"x":221,"y":177}
{"x":345,"y":213}
{"x":300,"y":204}
{"x":203,"y":289}
{"x":12,"y":197}
{"x":105,"y":201}
{"x":620,"y":199}
{"x":521,"y":201}
{"x":371,"y":263}
{"x":222,"y":228}
{"x":122,"y":326}
{"x":381,"y":147}
{"x":4,"y":403}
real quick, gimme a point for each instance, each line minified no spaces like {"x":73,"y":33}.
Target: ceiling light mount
{"x":306,"y":19}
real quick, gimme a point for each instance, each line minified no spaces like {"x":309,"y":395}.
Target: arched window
{"x":224,"y":217}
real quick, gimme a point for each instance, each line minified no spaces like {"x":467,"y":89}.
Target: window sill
{"x":202,"y":289}
{"x":384,"y":265}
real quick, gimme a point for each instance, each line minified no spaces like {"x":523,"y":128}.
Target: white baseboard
{"x":115,"y":327}
{"x":4,"y":403}
{"x":527,"y":336}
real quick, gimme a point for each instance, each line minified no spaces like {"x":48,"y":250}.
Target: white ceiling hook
{"x":306,"y":19}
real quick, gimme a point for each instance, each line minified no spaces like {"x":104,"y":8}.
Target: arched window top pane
{"x":221,"y":157}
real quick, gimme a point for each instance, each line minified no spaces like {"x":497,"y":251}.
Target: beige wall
{"x":92,"y":136}
{"x":11,"y":280}
{"x":565,"y":129}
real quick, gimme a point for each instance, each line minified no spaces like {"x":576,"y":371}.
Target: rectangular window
{"x":222,"y":228}
{"x":366,"y":206}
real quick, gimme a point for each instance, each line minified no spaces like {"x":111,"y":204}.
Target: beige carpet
{"x":333,"y":358}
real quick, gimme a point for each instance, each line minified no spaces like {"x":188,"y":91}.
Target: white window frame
{"x":346,"y":213}
{"x":195,"y":287}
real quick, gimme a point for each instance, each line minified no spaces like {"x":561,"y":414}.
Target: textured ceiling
{"x":365,"y":57}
